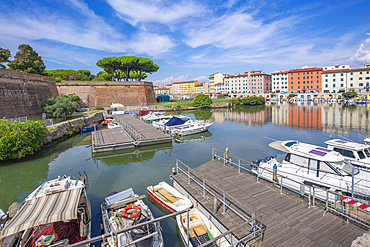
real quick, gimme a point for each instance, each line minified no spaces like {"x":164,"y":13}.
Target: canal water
{"x":246,"y":131}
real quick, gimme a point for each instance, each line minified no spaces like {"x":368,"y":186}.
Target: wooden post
{"x":227,"y":155}
{"x":215,"y":204}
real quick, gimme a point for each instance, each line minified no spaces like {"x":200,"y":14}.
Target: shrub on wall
{"x":249,"y":101}
{"x":20,"y":139}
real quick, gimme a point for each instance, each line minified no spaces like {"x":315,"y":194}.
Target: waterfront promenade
{"x":286,"y":219}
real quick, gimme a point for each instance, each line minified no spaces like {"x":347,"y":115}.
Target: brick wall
{"x":98,"y":93}
{"x":22,"y":93}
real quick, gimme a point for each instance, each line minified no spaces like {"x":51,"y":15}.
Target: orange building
{"x":304,"y":80}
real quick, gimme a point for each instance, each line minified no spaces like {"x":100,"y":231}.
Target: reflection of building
{"x":218,"y":116}
{"x":250,"y":116}
{"x":344,"y":119}
{"x":297,"y":116}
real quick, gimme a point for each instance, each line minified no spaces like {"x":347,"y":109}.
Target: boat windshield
{"x":345,"y":168}
{"x":367,"y":152}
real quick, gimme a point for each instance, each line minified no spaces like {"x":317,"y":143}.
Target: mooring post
{"x":239,"y":165}
{"x":177,"y":166}
{"x":231,"y":239}
{"x":281,"y":185}
{"x":215,"y":204}
{"x":224,"y":159}
{"x":309,"y":198}
{"x":224,"y":207}
{"x":227,"y":155}
{"x":213,"y":156}
{"x":204,"y":187}
{"x":253,"y":223}
{"x":313,"y":196}
{"x":187,"y":219}
{"x":258,"y":174}
{"x":188,"y":176}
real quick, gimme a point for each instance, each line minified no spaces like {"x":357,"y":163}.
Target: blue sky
{"x":191,"y":39}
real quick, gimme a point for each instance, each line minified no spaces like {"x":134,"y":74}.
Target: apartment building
{"x":220,"y":88}
{"x":215,"y":79}
{"x":249,"y":82}
{"x":280,"y":81}
{"x":358,"y":80}
{"x":158,"y":91}
{"x":169,"y":86}
{"x":199,"y":88}
{"x":184,"y":87}
{"x":304,"y":80}
{"x":334,"y":81}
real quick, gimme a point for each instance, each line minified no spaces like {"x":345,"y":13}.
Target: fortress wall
{"x":21,"y":93}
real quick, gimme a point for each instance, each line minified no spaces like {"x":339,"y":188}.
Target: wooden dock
{"x":133,"y":133}
{"x":286,"y":219}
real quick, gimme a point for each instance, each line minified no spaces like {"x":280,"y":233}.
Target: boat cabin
{"x":350,"y":150}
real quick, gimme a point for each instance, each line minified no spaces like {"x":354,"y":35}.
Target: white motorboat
{"x":113,"y":125}
{"x":314,"y":166}
{"x":58,"y":212}
{"x":167,"y":196}
{"x":170,"y":121}
{"x":357,"y":153}
{"x":191,"y":127}
{"x":125,"y":209}
{"x":201,"y":229}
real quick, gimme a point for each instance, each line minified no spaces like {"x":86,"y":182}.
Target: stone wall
{"x":68,"y":128}
{"x":104,"y":93}
{"x":21,"y":93}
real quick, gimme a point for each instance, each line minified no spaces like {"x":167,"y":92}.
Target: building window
{"x":360,"y":78}
{"x":341,"y":85}
{"x":360,"y":72}
{"x":341,"y":79}
{"x":334,"y":75}
{"x":360,"y":84}
{"x":333,"y":85}
{"x":326,"y":80}
{"x":317,"y":86}
{"x":351,"y":73}
{"x":351,"y":79}
{"x":299,"y":87}
{"x":351,"y":85}
{"x":333,"y":79}
{"x":291,"y":87}
{"x":303,"y":73}
{"x":341,"y":74}
{"x":299,"y":82}
{"x":326,"y":85}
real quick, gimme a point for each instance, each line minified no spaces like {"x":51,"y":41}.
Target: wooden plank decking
{"x":287,"y":219}
{"x":133,"y":134}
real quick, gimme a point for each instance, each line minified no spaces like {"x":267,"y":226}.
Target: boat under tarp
{"x":174,"y":121}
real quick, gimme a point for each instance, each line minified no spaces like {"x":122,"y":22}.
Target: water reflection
{"x":200,"y":137}
{"x":137,"y":155}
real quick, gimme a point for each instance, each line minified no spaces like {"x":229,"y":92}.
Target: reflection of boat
{"x":196,"y":137}
{"x":192,"y":127}
{"x":169,"y":197}
{"x":313,"y":166}
{"x":125,"y":209}
{"x":57,"y":211}
{"x":201,"y":229}
{"x":89,"y":127}
{"x":357,"y":153}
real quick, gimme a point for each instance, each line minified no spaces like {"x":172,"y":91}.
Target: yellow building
{"x":169,"y":86}
{"x":184,"y":87}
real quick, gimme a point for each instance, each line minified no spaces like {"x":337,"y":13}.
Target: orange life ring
{"x":208,"y":121}
{"x":130,"y":216}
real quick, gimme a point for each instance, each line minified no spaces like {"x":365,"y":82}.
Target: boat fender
{"x":127,"y":214}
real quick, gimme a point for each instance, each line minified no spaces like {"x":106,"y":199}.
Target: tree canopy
{"x":4,"y":57}
{"x":27,"y":60}
{"x":70,"y":75}
{"x":128,"y":67}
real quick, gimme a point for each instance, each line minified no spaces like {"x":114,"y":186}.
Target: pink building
{"x":249,"y":82}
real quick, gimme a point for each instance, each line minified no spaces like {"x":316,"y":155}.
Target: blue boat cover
{"x":174,"y":121}
{"x":119,"y":196}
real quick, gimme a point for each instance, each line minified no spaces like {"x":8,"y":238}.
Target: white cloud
{"x":170,"y":80}
{"x":201,"y":78}
{"x":362,"y":54}
{"x":89,"y":31}
{"x":160,"y":11}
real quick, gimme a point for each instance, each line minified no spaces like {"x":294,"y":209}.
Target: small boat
{"x":169,"y":197}
{"x":125,"y":209}
{"x":89,"y":127}
{"x":113,"y":124}
{"x":192,"y":127}
{"x":169,"y":122}
{"x":201,"y":229}
{"x":357,"y":153}
{"x":105,"y":122}
{"x":58,"y":212}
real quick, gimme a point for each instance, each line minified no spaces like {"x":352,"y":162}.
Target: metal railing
{"x":135,"y":134}
{"x":255,"y":224}
{"x":19,"y":119}
{"x":353,"y":205}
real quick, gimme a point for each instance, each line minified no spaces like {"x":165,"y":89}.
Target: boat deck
{"x":286,"y":219}
{"x":133,"y":133}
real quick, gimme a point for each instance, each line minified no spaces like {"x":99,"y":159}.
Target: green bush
{"x":59,"y":106}
{"x":20,"y":139}
{"x":349,"y":95}
{"x":99,"y":108}
{"x":248,"y":101}
{"x":221,"y":96}
{"x":202,"y":100}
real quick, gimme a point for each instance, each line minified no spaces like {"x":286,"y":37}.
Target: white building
{"x":280,"y":81}
{"x":219,"y":88}
{"x":336,"y":67}
{"x":158,"y":91}
{"x":334,"y":81}
{"x":249,"y":82}
{"x":359,"y":79}
{"x":215,"y":79}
